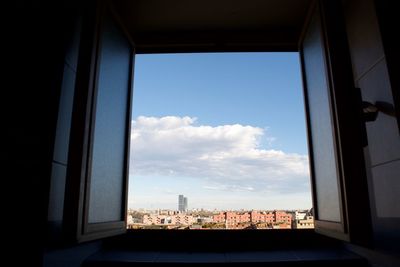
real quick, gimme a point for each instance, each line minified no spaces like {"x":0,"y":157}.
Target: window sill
{"x":237,"y":247}
{"x":219,"y":240}
{"x":304,"y":257}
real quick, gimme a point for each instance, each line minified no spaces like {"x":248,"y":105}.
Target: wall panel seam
{"x":384,"y":163}
{"x":369,"y":69}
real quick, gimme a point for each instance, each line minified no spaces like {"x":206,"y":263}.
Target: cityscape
{"x":215,"y":145}
{"x":201,"y":219}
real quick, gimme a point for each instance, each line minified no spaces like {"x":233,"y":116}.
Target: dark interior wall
{"x":60,"y":155}
{"x":387,"y":13}
{"x":37,"y":36}
{"x":382,"y":154}
{"x":57,"y":251}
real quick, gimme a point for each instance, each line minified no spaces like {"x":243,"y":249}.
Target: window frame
{"x":335,"y":229}
{"x":78,"y":184}
{"x":112,"y":227}
{"x":348,"y":126}
{"x":170,"y":50}
{"x":76,"y":206}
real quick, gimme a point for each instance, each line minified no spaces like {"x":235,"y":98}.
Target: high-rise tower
{"x":182,"y":203}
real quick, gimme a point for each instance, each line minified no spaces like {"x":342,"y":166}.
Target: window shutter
{"x":97,"y":180}
{"x":336,"y":133}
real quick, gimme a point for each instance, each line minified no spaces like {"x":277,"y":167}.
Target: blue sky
{"x":227,"y":130}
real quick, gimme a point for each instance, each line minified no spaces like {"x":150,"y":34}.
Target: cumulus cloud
{"x":226,"y":157}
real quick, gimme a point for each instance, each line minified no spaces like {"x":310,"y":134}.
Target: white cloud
{"x":226,"y":157}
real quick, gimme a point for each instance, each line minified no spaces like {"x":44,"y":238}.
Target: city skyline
{"x":167,"y":219}
{"x":226,"y":130}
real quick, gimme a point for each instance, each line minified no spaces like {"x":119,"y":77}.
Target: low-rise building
{"x":306,"y":223}
{"x":300,"y":215}
{"x":262,"y":217}
{"x":245,"y":219}
{"x":282,"y":217}
{"x":164,"y":219}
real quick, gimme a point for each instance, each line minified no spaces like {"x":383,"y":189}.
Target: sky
{"x":227,"y":130}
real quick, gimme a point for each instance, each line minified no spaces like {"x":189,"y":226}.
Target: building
{"x":244,"y":219}
{"x":176,"y":219}
{"x":219,"y":218}
{"x":182,"y":203}
{"x":282,"y":217}
{"x":262,"y":217}
{"x":236,"y":219}
{"x":306,"y":223}
{"x":298,"y":215}
{"x":130,"y":220}
{"x":185,"y":204}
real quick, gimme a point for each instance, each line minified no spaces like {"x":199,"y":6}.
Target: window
{"x":218,"y":135}
{"x":99,"y":145}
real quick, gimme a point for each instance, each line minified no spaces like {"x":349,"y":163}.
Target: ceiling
{"x":213,"y":25}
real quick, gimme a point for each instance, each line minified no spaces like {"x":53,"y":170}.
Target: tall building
{"x":182,"y":203}
{"x":185,"y":204}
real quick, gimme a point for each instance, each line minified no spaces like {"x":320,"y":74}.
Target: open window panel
{"x":95,"y":204}
{"x":97,"y":175}
{"x":336,"y":131}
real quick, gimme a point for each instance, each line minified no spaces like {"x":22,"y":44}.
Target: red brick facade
{"x":234,"y":218}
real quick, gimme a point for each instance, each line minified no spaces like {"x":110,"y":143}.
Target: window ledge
{"x":220,"y":240}
{"x":300,"y":257}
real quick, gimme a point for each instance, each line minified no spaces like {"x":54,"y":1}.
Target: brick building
{"x":282,"y":217}
{"x":233,"y":219}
